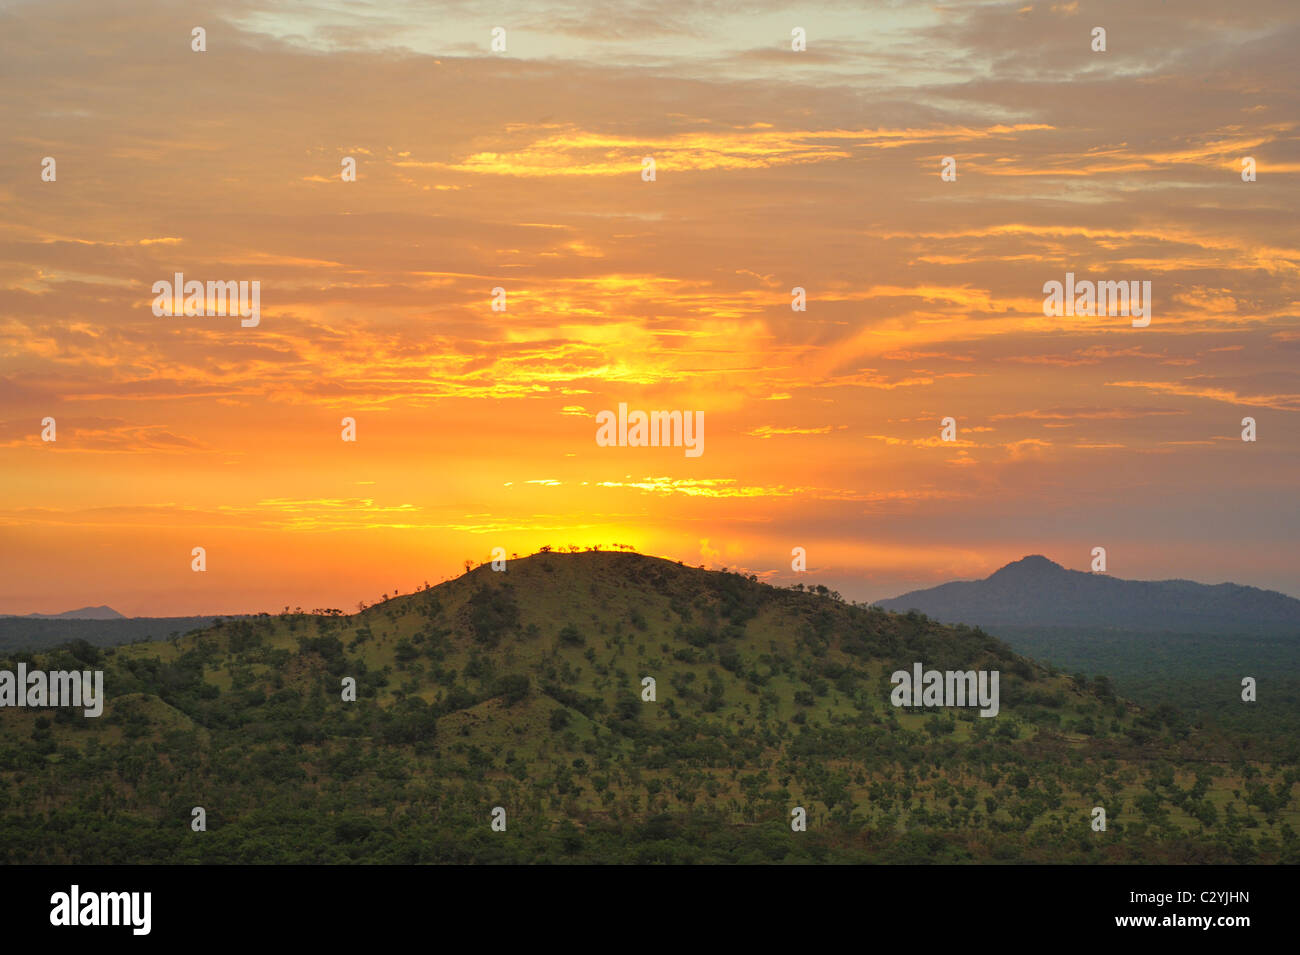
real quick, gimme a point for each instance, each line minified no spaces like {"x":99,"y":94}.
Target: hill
{"x":42,"y":633}
{"x":84,"y":613}
{"x":524,"y":690}
{"x":1036,"y":592}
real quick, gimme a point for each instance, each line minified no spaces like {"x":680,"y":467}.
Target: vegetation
{"x":1197,"y":674}
{"x":35,"y":633}
{"x":523,"y":689}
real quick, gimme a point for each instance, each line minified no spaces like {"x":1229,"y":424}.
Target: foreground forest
{"x":523,"y":690}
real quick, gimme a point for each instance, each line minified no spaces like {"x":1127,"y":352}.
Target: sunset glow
{"x":774,"y":170}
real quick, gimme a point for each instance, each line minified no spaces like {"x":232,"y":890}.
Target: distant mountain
{"x":85,"y":613}
{"x":41,"y":632}
{"x":1037,"y":592}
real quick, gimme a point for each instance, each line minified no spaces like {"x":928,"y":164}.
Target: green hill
{"x":523,"y":689}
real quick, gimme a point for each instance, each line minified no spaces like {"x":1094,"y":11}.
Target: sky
{"x":523,"y":170}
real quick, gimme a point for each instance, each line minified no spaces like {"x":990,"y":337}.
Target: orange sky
{"x":522,"y":170}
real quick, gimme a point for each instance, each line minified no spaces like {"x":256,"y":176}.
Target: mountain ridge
{"x":1036,"y":591}
{"x":102,"y":612}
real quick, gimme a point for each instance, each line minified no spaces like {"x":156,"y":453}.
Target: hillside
{"x":523,"y":690}
{"x":1036,"y":592}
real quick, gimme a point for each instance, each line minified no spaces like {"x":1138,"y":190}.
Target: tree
{"x":512,"y":689}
